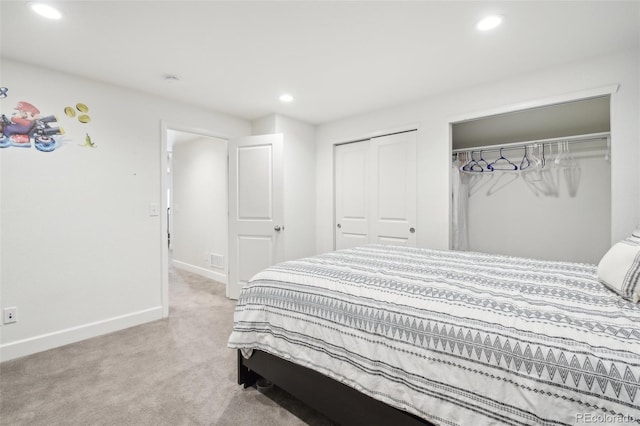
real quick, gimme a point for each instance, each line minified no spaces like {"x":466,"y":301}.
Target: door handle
{"x":412,"y":230}
{"x":339,"y":226}
{"x":277,"y":228}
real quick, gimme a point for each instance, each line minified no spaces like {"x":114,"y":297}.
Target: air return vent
{"x":216,"y":260}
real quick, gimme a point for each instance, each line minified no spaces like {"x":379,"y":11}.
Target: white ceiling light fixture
{"x":488,"y":23}
{"x":46,"y":10}
{"x":286,"y":98}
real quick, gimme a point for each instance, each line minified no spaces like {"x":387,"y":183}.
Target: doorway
{"x":195,"y":200}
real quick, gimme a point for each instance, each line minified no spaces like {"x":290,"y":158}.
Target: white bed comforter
{"x":457,"y":338}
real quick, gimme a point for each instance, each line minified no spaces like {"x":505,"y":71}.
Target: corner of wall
{"x":264,"y":126}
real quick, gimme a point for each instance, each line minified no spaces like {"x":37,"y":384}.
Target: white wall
{"x":199,"y":208}
{"x":299,"y":184}
{"x":265,"y":125}
{"x":81,"y":254}
{"x":299,"y":181}
{"x":432,"y":117}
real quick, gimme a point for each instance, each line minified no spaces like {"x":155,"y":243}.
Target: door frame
{"x":165,"y":126}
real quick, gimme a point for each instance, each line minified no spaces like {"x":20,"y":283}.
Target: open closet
{"x":534,"y":183}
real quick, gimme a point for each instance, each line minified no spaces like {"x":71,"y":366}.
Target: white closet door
{"x":352,"y":181}
{"x":256,"y":208}
{"x":375,"y":191}
{"x":393,"y":212}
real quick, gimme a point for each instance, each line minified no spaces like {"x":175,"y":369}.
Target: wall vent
{"x":216,"y":260}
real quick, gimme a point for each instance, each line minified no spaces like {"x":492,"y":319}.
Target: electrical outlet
{"x":10,"y":315}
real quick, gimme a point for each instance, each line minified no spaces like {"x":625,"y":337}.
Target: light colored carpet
{"x":175,"y":371}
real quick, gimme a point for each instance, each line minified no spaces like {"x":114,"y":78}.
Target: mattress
{"x":457,"y":338}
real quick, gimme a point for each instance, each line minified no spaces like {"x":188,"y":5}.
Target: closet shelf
{"x":520,"y":145}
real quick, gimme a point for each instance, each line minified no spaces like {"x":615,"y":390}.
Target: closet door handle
{"x":277,"y":228}
{"x":339,"y":226}
{"x":412,"y":230}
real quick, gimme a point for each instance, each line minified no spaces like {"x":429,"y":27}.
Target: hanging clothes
{"x":460,"y":201}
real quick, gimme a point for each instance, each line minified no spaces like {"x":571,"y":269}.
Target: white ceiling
{"x":338,"y":58}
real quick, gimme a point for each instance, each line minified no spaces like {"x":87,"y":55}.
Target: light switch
{"x":154,"y":209}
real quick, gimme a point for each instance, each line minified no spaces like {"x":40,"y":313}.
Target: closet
{"x":375,"y":191}
{"x":534,"y":183}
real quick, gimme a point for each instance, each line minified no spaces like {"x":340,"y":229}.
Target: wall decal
{"x":26,"y":127}
{"x":83,"y":117}
{"x":83,"y":109}
{"x":88,"y":143}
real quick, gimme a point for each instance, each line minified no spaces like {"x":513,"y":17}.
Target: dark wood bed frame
{"x":336,"y":400}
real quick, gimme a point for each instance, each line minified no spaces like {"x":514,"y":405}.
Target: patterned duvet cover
{"x":458,"y":338}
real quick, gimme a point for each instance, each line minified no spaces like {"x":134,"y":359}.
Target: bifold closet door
{"x":375,"y":191}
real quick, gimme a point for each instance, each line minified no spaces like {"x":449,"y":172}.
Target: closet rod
{"x":514,"y":145}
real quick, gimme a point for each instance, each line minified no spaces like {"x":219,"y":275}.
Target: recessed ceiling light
{"x":286,"y":98}
{"x":489,"y":23}
{"x":45,"y":10}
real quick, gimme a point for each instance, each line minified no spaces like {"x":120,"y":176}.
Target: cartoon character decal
{"x":83,"y":118}
{"x":27,"y":127}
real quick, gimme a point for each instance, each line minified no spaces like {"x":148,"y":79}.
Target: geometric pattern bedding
{"x":457,"y":338}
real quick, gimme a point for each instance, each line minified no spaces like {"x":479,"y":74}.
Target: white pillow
{"x":619,"y":268}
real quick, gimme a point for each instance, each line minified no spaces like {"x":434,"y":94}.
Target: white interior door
{"x":352,"y":194}
{"x":256,"y":208}
{"x":393,"y":215}
{"x":375,"y":191}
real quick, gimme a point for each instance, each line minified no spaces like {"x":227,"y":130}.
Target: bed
{"x":393,"y":335}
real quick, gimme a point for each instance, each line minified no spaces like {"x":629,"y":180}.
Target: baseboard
{"x":207,"y":273}
{"x":56,"y":339}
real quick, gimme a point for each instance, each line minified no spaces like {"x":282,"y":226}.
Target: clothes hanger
{"x":541,"y":155}
{"x":483,"y":163}
{"x":472,"y":166}
{"x":502,"y":163}
{"x":526,"y":162}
